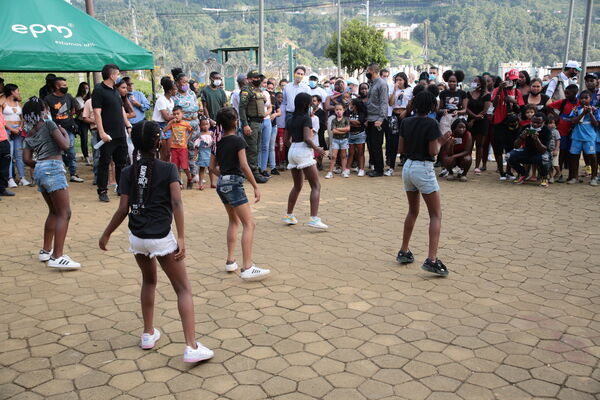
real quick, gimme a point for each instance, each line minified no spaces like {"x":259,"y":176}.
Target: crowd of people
{"x":538,"y":127}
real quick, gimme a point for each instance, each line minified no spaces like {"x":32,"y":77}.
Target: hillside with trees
{"x":471,"y":34}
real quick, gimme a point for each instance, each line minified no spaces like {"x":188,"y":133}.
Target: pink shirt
{"x":3,"y":135}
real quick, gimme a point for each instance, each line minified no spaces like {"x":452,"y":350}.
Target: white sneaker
{"x":361,"y":172}
{"x":346,"y":174}
{"x":290,"y":219}
{"x":444,"y":172}
{"x":200,"y":353}
{"x":148,"y":341}
{"x":63,"y":262}
{"x":44,"y":255}
{"x":337,"y":170}
{"x":196,"y":178}
{"x":389,"y":172}
{"x":76,"y":178}
{"x":254,"y":273}
{"x":12,"y":183}
{"x":231,"y":267}
{"x":24,"y":182}
{"x":354,"y":169}
{"x":329,"y":175}
{"x":315,"y":222}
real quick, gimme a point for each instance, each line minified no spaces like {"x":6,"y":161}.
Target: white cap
{"x":573,"y":64}
{"x":313,"y":75}
{"x":352,"y":81}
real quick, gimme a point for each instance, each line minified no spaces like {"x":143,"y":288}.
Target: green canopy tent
{"x":54,"y":36}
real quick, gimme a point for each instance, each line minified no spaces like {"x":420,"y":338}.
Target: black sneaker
{"x":437,"y":267}
{"x":275,"y":172}
{"x":260,"y":179}
{"x":405,"y":257}
{"x":7,"y":193}
{"x":103,"y":197}
{"x":374,"y":174}
{"x":265,"y":174}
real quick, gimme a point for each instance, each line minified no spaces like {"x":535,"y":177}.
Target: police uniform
{"x":252,"y":113}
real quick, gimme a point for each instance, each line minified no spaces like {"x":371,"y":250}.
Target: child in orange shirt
{"x":180,"y":132}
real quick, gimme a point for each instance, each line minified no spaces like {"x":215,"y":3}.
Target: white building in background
{"x":534,"y":72}
{"x":392,"y":31}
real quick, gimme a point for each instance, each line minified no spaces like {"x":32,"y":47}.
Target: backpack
{"x":559,"y":92}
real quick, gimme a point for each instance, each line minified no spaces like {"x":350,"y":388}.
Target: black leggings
{"x":83,"y":135}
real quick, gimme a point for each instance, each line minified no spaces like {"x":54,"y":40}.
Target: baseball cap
{"x":590,"y":75}
{"x":253,"y":74}
{"x":313,"y":77}
{"x":241,"y":77}
{"x":573,"y":64}
{"x":512,"y":75}
{"x":352,"y":81}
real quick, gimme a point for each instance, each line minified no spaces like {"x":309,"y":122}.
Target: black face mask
{"x":63,"y":90}
{"x":256,"y":82}
{"x":369,"y":75}
{"x":362,"y":95}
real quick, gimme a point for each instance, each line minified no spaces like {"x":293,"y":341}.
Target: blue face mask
{"x":312,"y":84}
{"x":47,"y":117}
{"x":432,"y":77}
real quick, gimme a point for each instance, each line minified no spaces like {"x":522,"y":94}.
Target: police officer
{"x":252,"y":114}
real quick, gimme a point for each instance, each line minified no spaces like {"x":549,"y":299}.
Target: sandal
{"x":477,"y":171}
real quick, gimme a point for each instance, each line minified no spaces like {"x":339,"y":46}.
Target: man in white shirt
{"x":560,"y":82}
{"x":235,"y":95}
{"x":315,"y":89}
{"x":291,"y":90}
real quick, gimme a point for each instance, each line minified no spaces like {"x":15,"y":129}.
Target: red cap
{"x":512,"y":75}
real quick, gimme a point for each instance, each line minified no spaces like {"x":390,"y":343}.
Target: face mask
{"x":536,"y":129}
{"x":63,"y":90}
{"x":369,"y":75}
{"x":217,"y":82}
{"x":185,"y":88}
{"x":432,"y":77}
{"x":312,"y":84}
{"x":256,"y":82}
{"x":545,"y":83}
{"x":298,"y":77}
{"x":130,"y":93}
{"x":47,"y":117}
{"x":263,"y":89}
{"x":362,"y":95}
{"x":474,"y":85}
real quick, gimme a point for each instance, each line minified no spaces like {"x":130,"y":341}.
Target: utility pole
{"x":339,"y":38}
{"x":586,"y":41}
{"x":134,"y":26}
{"x":569,"y":27}
{"x":261,"y":34}
{"x":367,"y":6}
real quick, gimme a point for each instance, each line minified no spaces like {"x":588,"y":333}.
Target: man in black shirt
{"x":112,"y":123}
{"x":48,"y":87}
{"x":536,"y":138}
{"x":62,"y":107}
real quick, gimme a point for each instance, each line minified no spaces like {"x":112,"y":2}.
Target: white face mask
{"x":474,"y":85}
{"x":217,"y":82}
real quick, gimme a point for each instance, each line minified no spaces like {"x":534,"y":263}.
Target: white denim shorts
{"x":153,"y":247}
{"x":300,"y":156}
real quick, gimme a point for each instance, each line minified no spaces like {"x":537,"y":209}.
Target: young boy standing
{"x":583,"y":139}
{"x":564,"y":108}
{"x":340,"y":126}
{"x":180,"y":129}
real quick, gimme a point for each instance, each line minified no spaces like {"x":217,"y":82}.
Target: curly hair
{"x":424,"y":102}
{"x":459,"y":75}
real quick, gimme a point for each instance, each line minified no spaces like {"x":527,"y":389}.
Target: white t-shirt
{"x":402,"y":97}
{"x":315,"y":128}
{"x":162,"y":103}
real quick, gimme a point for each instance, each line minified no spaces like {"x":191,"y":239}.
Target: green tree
{"x":361,"y":45}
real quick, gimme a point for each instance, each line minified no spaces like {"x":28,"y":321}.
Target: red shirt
{"x":3,"y":135}
{"x":500,"y":111}
{"x":564,"y":124}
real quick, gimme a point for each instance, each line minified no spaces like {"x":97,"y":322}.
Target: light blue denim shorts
{"x":339,"y":144}
{"x":50,"y":176}
{"x":419,"y":176}
{"x":357,"y":138}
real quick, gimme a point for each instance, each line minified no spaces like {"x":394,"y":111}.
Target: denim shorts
{"x":50,"y":176}
{"x":419,"y":176}
{"x":357,"y":138}
{"x":153,"y":247}
{"x":230,"y":189}
{"x":164,"y":135}
{"x":587,"y":146}
{"x":300,"y":156}
{"x":339,"y":144}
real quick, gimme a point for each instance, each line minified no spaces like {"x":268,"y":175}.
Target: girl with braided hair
{"x":46,"y":141}
{"x":151,"y":193}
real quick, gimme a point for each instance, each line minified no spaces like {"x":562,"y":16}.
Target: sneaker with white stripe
{"x":200,"y":353}
{"x":254,"y":273}
{"x":63,"y":262}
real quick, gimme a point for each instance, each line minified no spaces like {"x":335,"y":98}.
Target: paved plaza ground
{"x":517,"y":318}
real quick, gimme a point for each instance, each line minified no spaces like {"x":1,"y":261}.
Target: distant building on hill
{"x":392,"y":31}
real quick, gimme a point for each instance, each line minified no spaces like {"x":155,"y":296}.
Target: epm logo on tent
{"x":38,"y":29}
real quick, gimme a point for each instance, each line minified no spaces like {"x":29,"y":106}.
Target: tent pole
{"x":153,"y":87}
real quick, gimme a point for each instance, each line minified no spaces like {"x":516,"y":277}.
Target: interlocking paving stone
{"x":517,"y":318}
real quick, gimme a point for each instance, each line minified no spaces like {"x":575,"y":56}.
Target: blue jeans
{"x":272,"y":161}
{"x":16,"y":151}
{"x":69,"y":155}
{"x":518,"y":157}
{"x":265,"y":141}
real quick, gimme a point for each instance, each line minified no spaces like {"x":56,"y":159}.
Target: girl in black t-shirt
{"x":478,"y":103}
{"x":230,"y":164}
{"x":151,"y":193}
